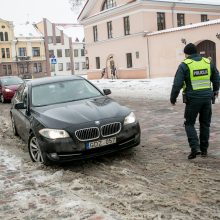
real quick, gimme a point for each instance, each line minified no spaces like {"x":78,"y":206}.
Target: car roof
{"x":51,"y":79}
{"x":5,"y":77}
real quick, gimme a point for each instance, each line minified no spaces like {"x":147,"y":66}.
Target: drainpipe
{"x":172,"y":9}
{"x":148,"y":58}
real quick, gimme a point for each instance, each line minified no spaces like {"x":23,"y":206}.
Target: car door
{"x":21,"y":116}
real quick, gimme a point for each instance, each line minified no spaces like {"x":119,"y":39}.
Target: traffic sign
{"x":53,"y":60}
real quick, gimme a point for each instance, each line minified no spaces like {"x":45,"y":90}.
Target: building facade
{"x":145,"y":38}
{"x":58,"y":46}
{"x":22,"y":51}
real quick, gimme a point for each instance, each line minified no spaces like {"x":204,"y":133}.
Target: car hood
{"x":79,"y":112}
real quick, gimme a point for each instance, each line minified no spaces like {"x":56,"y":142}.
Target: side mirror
{"x":19,"y":105}
{"x":107,"y":91}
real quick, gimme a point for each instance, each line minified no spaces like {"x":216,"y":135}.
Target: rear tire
{"x":35,"y":152}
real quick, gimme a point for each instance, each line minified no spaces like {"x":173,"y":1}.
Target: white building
{"x":59,"y":46}
{"x":76,"y":32}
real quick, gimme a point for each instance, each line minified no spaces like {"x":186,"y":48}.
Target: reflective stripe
{"x":201,"y":84}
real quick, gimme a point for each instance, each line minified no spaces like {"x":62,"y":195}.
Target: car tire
{"x":15,"y":132}
{"x":36,"y":154}
{"x":2,"y":98}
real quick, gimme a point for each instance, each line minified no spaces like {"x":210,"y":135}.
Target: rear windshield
{"x":11,"y":81}
{"x":61,"y":92}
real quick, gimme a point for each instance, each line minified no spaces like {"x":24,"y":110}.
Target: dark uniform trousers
{"x":203,"y":107}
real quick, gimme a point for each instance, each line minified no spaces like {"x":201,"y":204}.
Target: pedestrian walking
{"x":199,"y":79}
{"x":103,"y":73}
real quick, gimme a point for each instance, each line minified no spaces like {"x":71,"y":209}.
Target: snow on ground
{"x":158,"y":88}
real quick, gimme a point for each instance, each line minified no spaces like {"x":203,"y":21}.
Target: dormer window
{"x":108,"y":4}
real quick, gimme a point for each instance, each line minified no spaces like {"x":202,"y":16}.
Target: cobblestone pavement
{"x":152,"y":181}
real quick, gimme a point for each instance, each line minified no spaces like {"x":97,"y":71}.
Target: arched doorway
{"x":207,"y":49}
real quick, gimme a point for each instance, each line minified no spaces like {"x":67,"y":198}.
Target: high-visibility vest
{"x":200,"y":73}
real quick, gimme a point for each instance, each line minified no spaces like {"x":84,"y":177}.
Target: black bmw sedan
{"x":66,"y":118}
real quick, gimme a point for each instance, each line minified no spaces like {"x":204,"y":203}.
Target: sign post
{"x":53,"y":61}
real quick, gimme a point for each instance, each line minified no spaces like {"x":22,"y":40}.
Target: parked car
{"x":8,"y":87}
{"x":68,"y":118}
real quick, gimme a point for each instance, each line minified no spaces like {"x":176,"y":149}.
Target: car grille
{"x":87,"y":134}
{"x":92,"y":133}
{"x":110,"y":129}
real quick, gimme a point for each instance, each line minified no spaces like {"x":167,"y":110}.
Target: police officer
{"x":199,"y":79}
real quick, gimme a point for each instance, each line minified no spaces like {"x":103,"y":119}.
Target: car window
{"x":65,"y":91}
{"x":8,"y":81}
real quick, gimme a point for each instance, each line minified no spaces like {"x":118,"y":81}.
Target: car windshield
{"x":61,"y":92}
{"x":11,"y":81}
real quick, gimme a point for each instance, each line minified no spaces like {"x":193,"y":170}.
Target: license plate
{"x":100,"y":143}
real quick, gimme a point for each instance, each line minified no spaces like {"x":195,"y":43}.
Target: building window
{"x":60,"y":67}
{"x":22,"y":52}
{"x":50,"y":39}
{"x":3,"y":53}
{"x":37,"y":68}
{"x":204,"y":18}
{"x":97,"y":59}
{"x":87,"y":63}
{"x":161,"y":21}
{"x":82,"y":52}
{"x":126,"y":25}
{"x":1,"y":36}
{"x":23,"y":68}
{"x":7,"y":70}
{"x":108,"y":4}
{"x":6,"y":36}
{"x":109,"y":29}
{"x":51,"y":53}
{"x":76,"y":54}
{"x":76,"y":65}
{"x":67,"y":52}
{"x":7,"y":52}
{"x":59,"y":53}
{"x":83,"y":65}
{"x":36,"y":51}
{"x":68,"y":66}
{"x":129,"y":60}
{"x":58,"y":39}
{"x":180,"y":20}
{"x":95,"y":33}
{"x":137,"y":54}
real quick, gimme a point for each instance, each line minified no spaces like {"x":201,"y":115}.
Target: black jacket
{"x":183,"y":75}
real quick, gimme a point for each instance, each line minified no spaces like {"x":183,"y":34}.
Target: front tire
{"x":15,"y":132}
{"x":36,"y":154}
{"x":2,"y":98}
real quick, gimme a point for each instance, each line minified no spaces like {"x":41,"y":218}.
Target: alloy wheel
{"x":35,"y":150}
{"x":2,"y":98}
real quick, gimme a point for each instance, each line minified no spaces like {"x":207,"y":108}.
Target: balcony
{"x":22,"y":58}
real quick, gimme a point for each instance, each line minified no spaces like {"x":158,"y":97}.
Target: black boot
{"x":204,"y":153}
{"x":192,"y":155}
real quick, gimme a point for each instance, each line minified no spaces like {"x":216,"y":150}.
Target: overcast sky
{"x":34,"y":10}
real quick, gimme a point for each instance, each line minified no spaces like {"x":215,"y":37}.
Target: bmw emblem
{"x":97,"y":122}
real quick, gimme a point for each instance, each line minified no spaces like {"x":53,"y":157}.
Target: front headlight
{"x":130,"y":118}
{"x":8,"y":90}
{"x":53,"y":133}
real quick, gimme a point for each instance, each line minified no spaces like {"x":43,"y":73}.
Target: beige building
{"x":22,"y":50}
{"x":145,"y":38}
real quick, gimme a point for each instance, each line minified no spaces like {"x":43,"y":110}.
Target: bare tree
{"x":76,"y":5}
